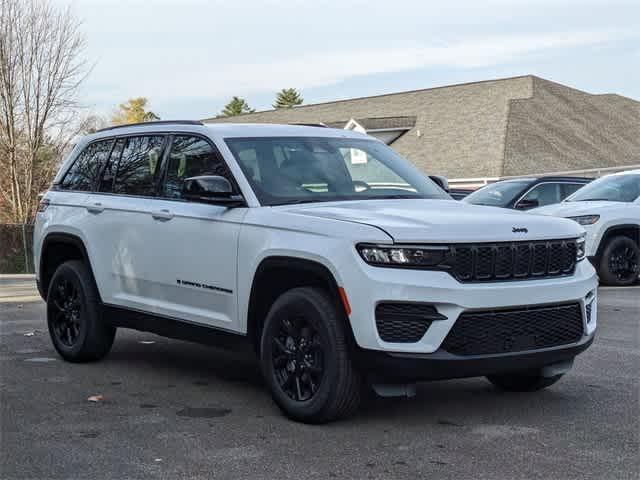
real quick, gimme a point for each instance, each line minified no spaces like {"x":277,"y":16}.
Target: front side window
{"x":139,"y":166}
{"x":83,"y":174}
{"x":285,"y":170}
{"x":543,"y":194}
{"x":191,"y":157}
{"x":613,"y":188}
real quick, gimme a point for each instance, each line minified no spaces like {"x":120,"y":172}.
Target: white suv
{"x":337,"y":262}
{"x":609,"y":211}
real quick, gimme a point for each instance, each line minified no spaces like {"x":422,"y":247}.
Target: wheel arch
{"x":628,"y":230}
{"x":58,"y":248}
{"x":277,"y":274}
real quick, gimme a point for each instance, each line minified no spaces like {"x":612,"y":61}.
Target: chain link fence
{"x":16,"y":248}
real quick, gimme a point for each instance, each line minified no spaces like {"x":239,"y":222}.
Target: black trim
{"x":174,"y":328}
{"x":441,"y":365}
{"x":66,"y":238}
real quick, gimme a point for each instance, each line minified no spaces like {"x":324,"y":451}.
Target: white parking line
{"x":21,"y":299}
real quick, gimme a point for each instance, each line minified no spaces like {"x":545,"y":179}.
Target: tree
{"x":133,"y":111}
{"x":288,"y":98}
{"x":236,"y":106}
{"x":41,"y":68}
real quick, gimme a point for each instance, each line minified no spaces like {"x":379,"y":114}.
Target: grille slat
{"x":504,"y":331}
{"x":486,"y":262}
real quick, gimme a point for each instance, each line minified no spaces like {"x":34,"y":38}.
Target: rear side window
{"x":83,"y":174}
{"x":191,"y":157}
{"x":139,"y":165}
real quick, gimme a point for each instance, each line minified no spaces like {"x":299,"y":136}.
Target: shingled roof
{"x":493,"y":128}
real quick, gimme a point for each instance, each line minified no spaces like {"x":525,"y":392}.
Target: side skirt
{"x":175,"y":328}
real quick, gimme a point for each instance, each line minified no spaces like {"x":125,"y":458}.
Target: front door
{"x":195,"y":245}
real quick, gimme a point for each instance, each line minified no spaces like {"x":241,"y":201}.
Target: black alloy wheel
{"x":623,"y":263}
{"x":305,"y":357}
{"x":298,"y":358}
{"x":76,"y":327}
{"x":67,"y":311}
{"x":619,"y":263}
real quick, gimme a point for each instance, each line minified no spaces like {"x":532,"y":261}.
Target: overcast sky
{"x":190,"y":56}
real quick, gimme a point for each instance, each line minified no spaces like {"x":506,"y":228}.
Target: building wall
{"x":462,"y":127}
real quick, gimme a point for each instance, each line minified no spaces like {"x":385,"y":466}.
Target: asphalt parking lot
{"x":172,"y":409}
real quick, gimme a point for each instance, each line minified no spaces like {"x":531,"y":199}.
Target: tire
{"x":523,"y":381}
{"x":304,"y":345}
{"x":618,"y":264}
{"x":73,"y":316}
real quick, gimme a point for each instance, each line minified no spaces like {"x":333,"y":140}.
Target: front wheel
{"x":523,"y":381}
{"x":619,"y":263}
{"x":304,"y":354}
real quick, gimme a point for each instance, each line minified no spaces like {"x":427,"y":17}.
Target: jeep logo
{"x":519,"y":230}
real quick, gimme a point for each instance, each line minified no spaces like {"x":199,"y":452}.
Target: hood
{"x":575,"y":209}
{"x":450,"y":221}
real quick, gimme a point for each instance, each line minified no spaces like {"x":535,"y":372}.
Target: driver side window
{"x":191,"y":157}
{"x":543,"y":194}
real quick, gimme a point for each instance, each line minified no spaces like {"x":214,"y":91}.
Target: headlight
{"x":580,"y":248}
{"x":585,"y":219}
{"x":403,"y":256}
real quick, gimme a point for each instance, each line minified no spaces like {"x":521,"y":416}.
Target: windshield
{"x":284,"y":170}
{"x":614,"y":188}
{"x":498,"y":194}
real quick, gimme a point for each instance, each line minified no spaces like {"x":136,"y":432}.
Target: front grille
{"x":404,"y":322}
{"x":490,"y":262}
{"x":503,"y":331}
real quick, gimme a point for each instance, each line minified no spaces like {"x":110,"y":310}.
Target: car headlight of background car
{"x":585,"y":219}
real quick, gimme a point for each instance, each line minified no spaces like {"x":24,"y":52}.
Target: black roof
{"x":550,"y":178}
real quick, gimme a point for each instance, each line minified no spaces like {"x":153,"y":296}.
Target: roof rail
{"x":321,"y":125}
{"x":154,"y":122}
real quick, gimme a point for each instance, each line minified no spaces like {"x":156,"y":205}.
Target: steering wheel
{"x":360,"y":183}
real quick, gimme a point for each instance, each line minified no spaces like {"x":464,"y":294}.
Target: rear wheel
{"x":523,"y":381}
{"x":305,"y":358}
{"x":76,"y":329}
{"x":619,"y":263}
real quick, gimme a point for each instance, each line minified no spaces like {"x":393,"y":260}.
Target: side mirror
{"x":441,"y":181}
{"x":527,"y":204}
{"x":211,"y":189}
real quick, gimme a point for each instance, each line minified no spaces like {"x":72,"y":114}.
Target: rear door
{"x":121,"y":226}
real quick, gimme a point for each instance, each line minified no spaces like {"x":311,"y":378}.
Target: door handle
{"x":96,"y":207}
{"x":162,"y":215}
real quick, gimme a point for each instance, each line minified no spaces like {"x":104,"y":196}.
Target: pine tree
{"x":237,"y":106}
{"x":287,"y":98}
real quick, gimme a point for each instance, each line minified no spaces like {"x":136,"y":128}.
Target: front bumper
{"x":409,"y":367}
{"x":368,"y":286}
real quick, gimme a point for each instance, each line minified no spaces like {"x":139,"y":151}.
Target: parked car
{"x":526,"y":193}
{"x":609,"y":211}
{"x":330,"y":257}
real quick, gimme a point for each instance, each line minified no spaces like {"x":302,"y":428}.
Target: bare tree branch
{"x":41,"y":69}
